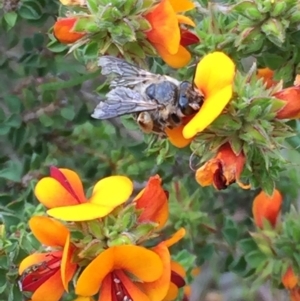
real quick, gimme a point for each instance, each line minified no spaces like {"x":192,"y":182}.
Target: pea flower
{"x":63,"y":193}
{"x":166,"y":35}
{"x":217,"y":87}
{"x":222,"y":170}
{"x":266,"y":207}
{"x":290,"y":282}
{"x":267,"y":75}
{"x":48,"y":274}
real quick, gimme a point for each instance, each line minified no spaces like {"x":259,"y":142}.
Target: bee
{"x":156,"y":101}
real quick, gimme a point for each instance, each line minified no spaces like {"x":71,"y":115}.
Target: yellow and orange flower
{"x":217,"y":87}
{"x":130,"y":272}
{"x":63,"y":31}
{"x":154,"y":202}
{"x":63,"y":193}
{"x":48,"y":274}
{"x":222,"y":170}
{"x":165,"y":34}
{"x":266,"y":207}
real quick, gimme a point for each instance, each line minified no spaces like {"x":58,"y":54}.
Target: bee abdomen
{"x":164,"y":92}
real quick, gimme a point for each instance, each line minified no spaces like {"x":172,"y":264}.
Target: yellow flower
{"x":214,"y":77}
{"x":63,"y":193}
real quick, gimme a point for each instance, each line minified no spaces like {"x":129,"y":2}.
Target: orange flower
{"x":217,"y":87}
{"x":63,"y":193}
{"x":129,"y":272}
{"x":154,"y":202}
{"x":222,"y":170}
{"x":63,"y":31}
{"x":165,"y":32}
{"x":266,"y":207}
{"x":267,"y":75}
{"x":48,"y":274}
{"x":291,"y":96}
{"x":290,"y":282}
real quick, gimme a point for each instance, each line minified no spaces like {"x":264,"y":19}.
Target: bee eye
{"x":183,"y":101}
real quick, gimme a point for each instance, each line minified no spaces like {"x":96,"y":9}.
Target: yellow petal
{"x":214,"y":72}
{"x":48,"y":231}
{"x":172,"y":293}
{"x":141,"y":262}
{"x":177,"y":60}
{"x":211,"y":109}
{"x":31,"y":260}
{"x":112,"y":191}
{"x":185,"y":20}
{"x":79,"y":213}
{"x":182,"y":5}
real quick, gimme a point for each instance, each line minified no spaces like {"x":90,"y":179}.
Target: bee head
{"x":189,"y":99}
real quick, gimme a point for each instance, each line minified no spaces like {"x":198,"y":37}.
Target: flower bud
{"x":279,"y":7}
{"x":274,"y":31}
{"x":289,"y":279}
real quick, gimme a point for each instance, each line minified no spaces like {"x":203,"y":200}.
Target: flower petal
{"x":48,"y":231}
{"x":105,"y":293}
{"x":165,"y":30}
{"x":141,"y":262}
{"x":52,"y":194}
{"x":154,"y":202}
{"x":82,"y":298}
{"x":51,"y":290}
{"x":176,"y":137}
{"x":32,"y":260}
{"x":158,"y":289}
{"x":178,"y":268}
{"x":79,"y":213}
{"x":211,"y":109}
{"x":182,"y":5}
{"x":70,"y":180}
{"x":112,"y":191}
{"x":214,"y":72}
{"x":62,"y":31}
{"x":289,"y":279}
{"x":185,"y":20}
{"x":188,"y":38}
{"x":177,"y":60}
{"x":67,"y":267}
{"x":172,"y":292}
{"x":175,"y":237}
{"x":132,"y":289}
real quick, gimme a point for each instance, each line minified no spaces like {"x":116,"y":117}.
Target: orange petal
{"x":154,"y":202}
{"x":82,"y":298}
{"x":210,"y":77}
{"x":48,"y":231}
{"x":176,"y":137}
{"x":52,"y":194}
{"x":177,"y":60}
{"x":289,"y":279}
{"x":158,"y":289}
{"x":267,"y":75}
{"x":142,"y":263}
{"x":112,"y":191}
{"x":165,"y":30}
{"x":133,"y":290}
{"x":32,"y":260}
{"x":172,"y":292}
{"x":178,"y":268}
{"x":81,"y":212}
{"x":205,"y":174}
{"x":185,"y":20}
{"x":50,"y":290}
{"x":182,"y":5}
{"x":62,"y":31}
{"x":175,"y":237}
{"x":266,"y":207}
{"x":211,"y":109}
{"x":105,"y":293}
{"x":67,"y":267}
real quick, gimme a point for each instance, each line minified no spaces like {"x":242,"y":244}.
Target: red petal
{"x":188,"y":38}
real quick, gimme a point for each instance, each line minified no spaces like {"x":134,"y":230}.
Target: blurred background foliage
{"x":46,"y":98}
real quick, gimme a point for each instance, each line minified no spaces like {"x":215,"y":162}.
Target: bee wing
{"x":121,"y":101}
{"x":127,"y":75}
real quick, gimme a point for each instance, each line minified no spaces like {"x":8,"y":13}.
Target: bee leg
{"x":145,"y":122}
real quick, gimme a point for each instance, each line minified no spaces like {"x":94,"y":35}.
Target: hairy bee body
{"x":156,"y":101}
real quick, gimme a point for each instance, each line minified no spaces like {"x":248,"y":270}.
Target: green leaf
{"x":255,"y":258}
{"x":12,"y":172}
{"x":248,"y":245}
{"x":11,"y":19}
{"x":68,"y":113}
{"x":30,"y":10}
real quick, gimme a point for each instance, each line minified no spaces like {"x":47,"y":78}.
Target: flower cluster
{"x":102,"y":244}
{"x":129,"y":29}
